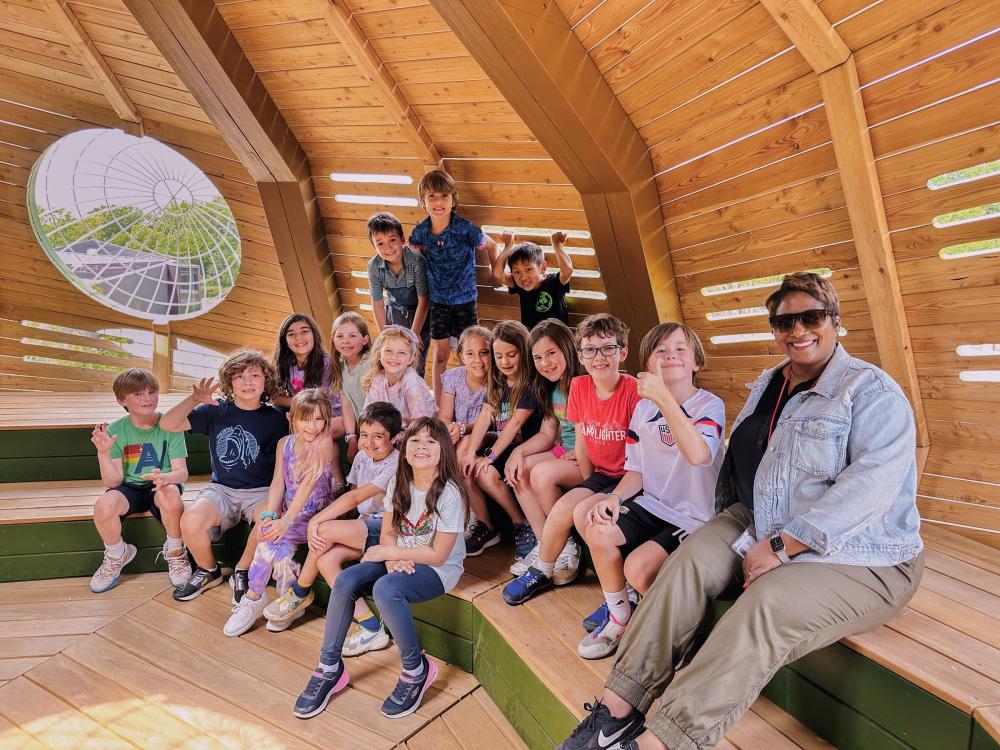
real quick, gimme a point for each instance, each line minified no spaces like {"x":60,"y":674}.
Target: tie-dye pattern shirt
{"x":141,"y":451}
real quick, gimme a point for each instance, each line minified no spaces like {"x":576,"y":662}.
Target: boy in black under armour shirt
{"x":542,"y":295}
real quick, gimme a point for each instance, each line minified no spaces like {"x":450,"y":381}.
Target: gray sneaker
{"x":361,"y":640}
{"x":178,"y":566}
{"x":106,"y":576}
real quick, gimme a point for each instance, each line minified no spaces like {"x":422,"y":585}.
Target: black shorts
{"x":599,"y":482}
{"x":140,"y":498}
{"x":639,"y":526}
{"x":451,"y":320}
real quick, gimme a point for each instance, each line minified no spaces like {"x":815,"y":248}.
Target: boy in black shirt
{"x":542,"y":295}
{"x":243,"y":433}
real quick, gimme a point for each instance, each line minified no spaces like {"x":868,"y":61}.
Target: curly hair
{"x":239,"y":361}
{"x":448,"y":471}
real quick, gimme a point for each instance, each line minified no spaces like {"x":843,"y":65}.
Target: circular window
{"x":134,"y":225}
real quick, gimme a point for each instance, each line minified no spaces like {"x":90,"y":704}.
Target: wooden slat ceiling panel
{"x":342,"y":126}
{"x":259,"y":301}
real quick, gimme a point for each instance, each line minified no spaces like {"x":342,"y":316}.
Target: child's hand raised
{"x":507,"y":239}
{"x":102,"y":439}
{"x":559,"y":238}
{"x":651,"y":384}
{"x":202,"y":393}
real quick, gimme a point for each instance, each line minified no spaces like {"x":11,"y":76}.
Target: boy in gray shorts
{"x":243,"y":432}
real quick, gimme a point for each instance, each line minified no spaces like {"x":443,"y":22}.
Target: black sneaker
{"x":601,"y":730}
{"x":524,"y":540}
{"x":322,"y":686}
{"x":405,"y":699}
{"x":239,"y":582}
{"x":201,"y":580}
{"x":480,"y":537}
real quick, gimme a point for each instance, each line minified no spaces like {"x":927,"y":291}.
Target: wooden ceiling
{"x":691,"y":138}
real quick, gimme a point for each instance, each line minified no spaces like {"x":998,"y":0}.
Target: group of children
{"x":541,"y":422}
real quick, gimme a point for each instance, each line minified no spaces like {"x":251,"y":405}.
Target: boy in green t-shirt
{"x":142,"y":467}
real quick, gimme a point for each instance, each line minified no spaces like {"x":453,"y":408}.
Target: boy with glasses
{"x":600,"y":405}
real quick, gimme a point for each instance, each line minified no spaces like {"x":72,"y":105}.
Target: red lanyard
{"x":777,"y":407}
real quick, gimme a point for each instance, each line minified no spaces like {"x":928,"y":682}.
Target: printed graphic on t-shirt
{"x":235,"y":446}
{"x":141,"y":458}
{"x":603,"y":432}
{"x":419,"y":534}
{"x":544,"y":302}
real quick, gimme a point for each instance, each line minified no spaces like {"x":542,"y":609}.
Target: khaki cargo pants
{"x":787,"y":613}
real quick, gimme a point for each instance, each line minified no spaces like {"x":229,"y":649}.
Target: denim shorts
{"x":374,"y":526}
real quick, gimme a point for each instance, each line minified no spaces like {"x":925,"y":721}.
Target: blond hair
{"x":375,"y":367}
{"x":311,"y":458}
{"x":337,"y":363}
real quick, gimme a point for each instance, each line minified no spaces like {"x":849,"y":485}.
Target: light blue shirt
{"x":840,"y":471}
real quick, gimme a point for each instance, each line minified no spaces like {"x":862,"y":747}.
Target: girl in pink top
{"x":391,"y":376}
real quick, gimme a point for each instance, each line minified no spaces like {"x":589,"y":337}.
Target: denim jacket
{"x":840,"y":471}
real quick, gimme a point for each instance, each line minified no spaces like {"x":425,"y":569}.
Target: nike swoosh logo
{"x":607,"y":740}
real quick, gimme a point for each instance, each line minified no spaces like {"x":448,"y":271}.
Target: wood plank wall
{"x":749,"y":188}
{"x":46,"y":94}
{"x":504,"y":176}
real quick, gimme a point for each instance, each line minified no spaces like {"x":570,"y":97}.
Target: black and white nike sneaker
{"x":601,"y":730}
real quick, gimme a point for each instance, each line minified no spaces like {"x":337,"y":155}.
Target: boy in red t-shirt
{"x":600,"y":405}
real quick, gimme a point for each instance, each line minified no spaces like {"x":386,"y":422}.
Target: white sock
{"x":330,"y":668}
{"x":416,"y":672}
{"x":173,"y":543}
{"x":633,"y":595}
{"x":618,"y":605}
{"x":116,"y":550}
{"x":547,"y":568}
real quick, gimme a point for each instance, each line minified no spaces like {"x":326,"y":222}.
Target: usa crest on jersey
{"x":666,"y":435}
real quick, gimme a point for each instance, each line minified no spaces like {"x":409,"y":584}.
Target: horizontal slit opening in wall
{"x":978,"y":350}
{"x":979,"y":376}
{"x":376,"y":200}
{"x":967,"y":215}
{"x":970,"y":249}
{"x":961,"y":176}
{"x":757,"y":283}
{"x":369,"y":177}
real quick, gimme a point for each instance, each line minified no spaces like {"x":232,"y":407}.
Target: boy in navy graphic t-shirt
{"x":243,"y":432}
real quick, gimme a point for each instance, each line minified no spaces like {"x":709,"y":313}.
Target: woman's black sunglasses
{"x":808,"y":318}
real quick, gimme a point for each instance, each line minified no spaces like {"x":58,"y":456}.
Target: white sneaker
{"x":603,"y":641}
{"x":567,"y":564}
{"x":178,"y":567}
{"x":244,"y":615}
{"x":361,"y":640}
{"x":106,"y":576}
{"x":520,"y":567}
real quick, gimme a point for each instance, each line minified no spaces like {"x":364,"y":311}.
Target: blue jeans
{"x":393,"y":592}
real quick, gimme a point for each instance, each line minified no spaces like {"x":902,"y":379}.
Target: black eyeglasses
{"x":589,"y":352}
{"x":808,"y":318}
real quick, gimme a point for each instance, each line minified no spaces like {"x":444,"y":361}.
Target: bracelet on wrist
{"x":285,"y":521}
{"x":461,"y":429}
{"x":267,"y":515}
{"x":351,"y":436}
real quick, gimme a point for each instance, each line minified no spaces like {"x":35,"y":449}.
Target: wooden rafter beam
{"x":810,"y":32}
{"x":197,"y":43}
{"x":533,"y":56}
{"x":364,"y":56}
{"x":856,"y":162}
{"x":81,"y":43}
{"x":830,"y":57}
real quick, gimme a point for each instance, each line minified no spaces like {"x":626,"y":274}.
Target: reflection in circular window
{"x":134,"y":225}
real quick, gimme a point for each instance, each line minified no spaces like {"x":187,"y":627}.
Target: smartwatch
{"x":487,"y":452}
{"x":778,"y":548}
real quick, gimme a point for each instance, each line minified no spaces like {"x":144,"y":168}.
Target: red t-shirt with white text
{"x":603,"y":422}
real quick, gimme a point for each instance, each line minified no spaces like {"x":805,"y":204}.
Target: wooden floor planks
{"x":151,"y":673}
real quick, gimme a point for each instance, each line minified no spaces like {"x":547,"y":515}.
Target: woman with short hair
{"x":817,"y":521}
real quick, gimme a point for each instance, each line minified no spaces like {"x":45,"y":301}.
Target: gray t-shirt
{"x":418,"y":528}
{"x":352,"y":383}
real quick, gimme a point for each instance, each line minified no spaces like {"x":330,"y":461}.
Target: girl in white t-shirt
{"x":673,"y":454}
{"x":420,"y":558}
